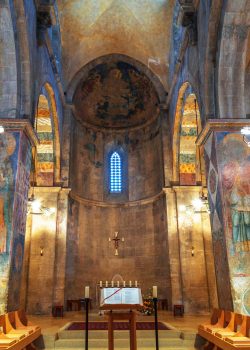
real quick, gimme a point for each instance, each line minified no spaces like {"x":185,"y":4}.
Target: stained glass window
{"x":115,"y":173}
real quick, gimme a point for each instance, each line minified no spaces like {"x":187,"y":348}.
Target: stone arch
{"x":82,"y":74}
{"x":8,"y":76}
{"x":232,"y":59}
{"x":47,"y":128}
{"x":210,"y":107}
{"x":24,"y":67}
{"x":187,"y":125}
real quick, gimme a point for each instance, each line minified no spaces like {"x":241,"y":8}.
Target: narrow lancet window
{"x":115,"y":173}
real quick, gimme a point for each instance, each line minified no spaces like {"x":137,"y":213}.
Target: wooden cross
{"x":116,"y":242}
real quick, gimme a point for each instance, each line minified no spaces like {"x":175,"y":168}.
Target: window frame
{"x":108,"y":194}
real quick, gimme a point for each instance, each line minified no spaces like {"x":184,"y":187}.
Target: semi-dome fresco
{"x":116,"y":95}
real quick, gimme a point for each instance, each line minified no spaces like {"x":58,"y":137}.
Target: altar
{"x":121,"y":304}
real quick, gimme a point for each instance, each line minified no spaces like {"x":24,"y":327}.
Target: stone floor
{"x":51,"y":325}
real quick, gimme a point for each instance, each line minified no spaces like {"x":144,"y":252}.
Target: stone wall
{"x":144,"y":151}
{"x":140,"y":218}
{"x":143,"y":256}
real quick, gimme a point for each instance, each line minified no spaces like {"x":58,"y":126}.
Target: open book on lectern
{"x":112,"y":296}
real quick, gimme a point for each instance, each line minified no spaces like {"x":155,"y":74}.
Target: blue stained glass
{"x":115,"y":173}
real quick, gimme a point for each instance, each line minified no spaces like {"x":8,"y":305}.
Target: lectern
{"x":121,"y":304}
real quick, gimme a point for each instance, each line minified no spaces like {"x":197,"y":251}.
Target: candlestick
{"x":130,"y":283}
{"x":86,"y":292}
{"x":100,"y":284}
{"x":136,"y":284}
{"x":107,"y":284}
{"x":154,"y":291}
{"x":112,"y":283}
{"x":124,"y":283}
{"x":118,"y":284}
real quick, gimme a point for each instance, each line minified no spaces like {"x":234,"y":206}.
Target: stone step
{"x":119,"y":343}
{"x":188,"y":335}
{"x":138,"y":348}
{"x":118,"y":334}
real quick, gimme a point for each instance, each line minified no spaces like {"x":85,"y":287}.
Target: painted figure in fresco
{"x":236,"y":180}
{"x":7,"y":147}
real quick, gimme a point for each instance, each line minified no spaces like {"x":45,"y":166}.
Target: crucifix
{"x":116,"y":242}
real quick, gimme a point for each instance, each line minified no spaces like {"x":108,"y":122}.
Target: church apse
{"x":123,"y":118}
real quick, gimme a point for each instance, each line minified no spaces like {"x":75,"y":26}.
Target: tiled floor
{"x":50,"y":325}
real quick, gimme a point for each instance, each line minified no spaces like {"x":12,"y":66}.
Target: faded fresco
{"x":116,"y":95}
{"x":14,"y":184}
{"x":9,"y":144}
{"x":234,"y":170}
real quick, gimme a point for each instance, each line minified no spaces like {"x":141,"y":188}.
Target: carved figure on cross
{"x":116,"y":241}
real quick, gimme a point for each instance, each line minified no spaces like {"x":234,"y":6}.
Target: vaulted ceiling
{"x":140,"y":29}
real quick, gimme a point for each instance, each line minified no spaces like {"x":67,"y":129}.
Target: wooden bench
{"x":15,"y":334}
{"x":227,"y":330}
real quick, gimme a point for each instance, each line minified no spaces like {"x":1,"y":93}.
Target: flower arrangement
{"x":148,"y":305}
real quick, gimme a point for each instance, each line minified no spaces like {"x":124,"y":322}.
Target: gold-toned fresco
{"x":188,"y":135}
{"x":116,"y":95}
{"x":139,"y":29}
{"x":45,"y":150}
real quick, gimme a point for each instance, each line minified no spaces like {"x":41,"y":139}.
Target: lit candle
{"x":124,"y":284}
{"x":86,"y":292}
{"x":107,"y":284}
{"x":154,"y":291}
{"x":118,"y":284}
{"x":136,"y":284}
{"x":100,"y":284}
{"x":130,"y":283}
{"x":112,"y":283}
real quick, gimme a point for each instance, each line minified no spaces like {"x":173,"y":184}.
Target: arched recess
{"x":47,"y":128}
{"x":187,"y":126}
{"x":8,"y":76}
{"x":25,"y":108}
{"x":213,"y":33}
{"x":232,"y":59}
{"x":81,"y":75}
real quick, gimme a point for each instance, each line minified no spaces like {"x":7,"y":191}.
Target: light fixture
{"x":41,"y":250}
{"x":192,"y":250}
{"x":35,"y":207}
{"x":1,"y":129}
{"x":198,"y":205}
{"x":201,"y":204}
{"x":245,"y":131}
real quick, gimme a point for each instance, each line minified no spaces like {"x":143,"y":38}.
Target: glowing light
{"x":1,"y":129}
{"x":197,"y":204}
{"x":182,"y":208}
{"x":36,"y":206}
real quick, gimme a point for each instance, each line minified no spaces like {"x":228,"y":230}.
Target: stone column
{"x":173,"y":244}
{"x":167,"y":150}
{"x":60,"y":246}
{"x":227,"y":159}
{"x":192,"y":253}
{"x":15,"y":160}
{"x":43,"y":250}
{"x":66,"y":138}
